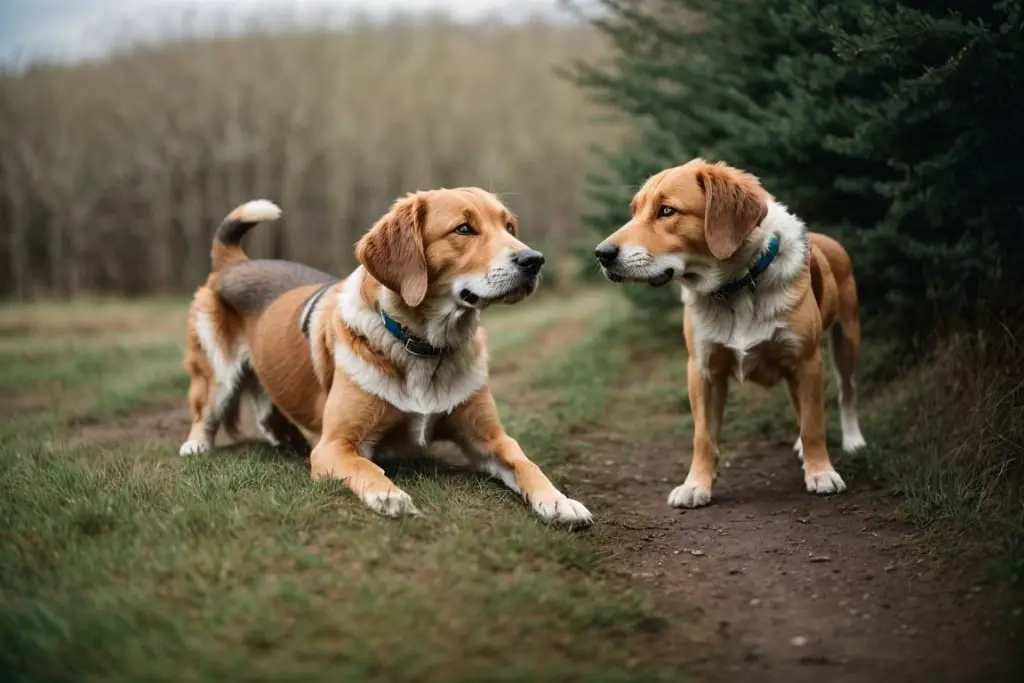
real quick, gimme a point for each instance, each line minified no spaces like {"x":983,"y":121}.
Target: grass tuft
{"x":950,"y":441}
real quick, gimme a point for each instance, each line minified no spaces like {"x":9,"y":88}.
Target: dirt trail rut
{"x":771,"y":583}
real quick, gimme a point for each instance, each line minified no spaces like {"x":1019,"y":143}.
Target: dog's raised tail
{"x":228,"y":238}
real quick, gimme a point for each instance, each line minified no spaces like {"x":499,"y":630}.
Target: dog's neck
{"x":414,"y":382}
{"x":785,"y":268}
{"x":438,"y":321}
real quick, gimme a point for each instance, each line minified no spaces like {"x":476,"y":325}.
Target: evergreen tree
{"x":895,"y":124}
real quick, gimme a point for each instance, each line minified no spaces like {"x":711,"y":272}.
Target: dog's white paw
{"x":393,"y":503}
{"x":193,"y":447}
{"x":825,"y":481}
{"x":561,"y":509}
{"x":689,"y":496}
{"x":853,"y":442}
{"x":799,"y":448}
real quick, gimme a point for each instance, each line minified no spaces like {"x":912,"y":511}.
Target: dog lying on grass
{"x":387,"y":360}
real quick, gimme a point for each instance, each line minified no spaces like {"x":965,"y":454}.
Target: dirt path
{"x":782,"y":585}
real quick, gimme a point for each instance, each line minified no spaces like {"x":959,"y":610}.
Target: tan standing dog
{"x":387,"y":360}
{"x":758,"y":291}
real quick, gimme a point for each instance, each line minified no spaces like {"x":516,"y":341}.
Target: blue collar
{"x":416,"y":346}
{"x":751,"y":276}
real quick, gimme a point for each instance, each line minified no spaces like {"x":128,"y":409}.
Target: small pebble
{"x":798,"y":641}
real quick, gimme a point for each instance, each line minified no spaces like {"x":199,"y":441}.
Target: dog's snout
{"x":606,"y":253}
{"x":529,"y":260}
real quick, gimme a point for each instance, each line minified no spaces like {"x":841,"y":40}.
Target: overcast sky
{"x":74,"y":29}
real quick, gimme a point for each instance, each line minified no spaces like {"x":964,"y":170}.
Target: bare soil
{"x":778,"y":584}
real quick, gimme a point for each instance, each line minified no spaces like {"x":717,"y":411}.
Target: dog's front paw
{"x":561,"y":510}
{"x":393,"y":503}
{"x":799,"y":448}
{"x":824,"y":482}
{"x":690,"y":495}
{"x":193,"y":447}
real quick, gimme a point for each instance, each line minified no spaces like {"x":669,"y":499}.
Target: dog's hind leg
{"x":217,"y":383}
{"x":794,"y":400}
{"x":844,"y":338}
{"x":222,"y":404}
{"x":201,"y":394}
{"x":275,"y":427}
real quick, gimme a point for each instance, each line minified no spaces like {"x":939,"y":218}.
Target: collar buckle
{"x":411,"y":350}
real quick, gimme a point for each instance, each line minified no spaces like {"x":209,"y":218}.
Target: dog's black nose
{"x":529,"y":260}
{"x":606,"y":254}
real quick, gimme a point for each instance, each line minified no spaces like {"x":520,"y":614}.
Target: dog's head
{"x":688,"y":223}
{"x":459,"y":244}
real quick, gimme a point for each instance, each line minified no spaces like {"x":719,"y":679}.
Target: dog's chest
{"x":750,"y":344}
{"x":411,"y":435}
{"x":763,"y":363}
{"x":425,"y":386}
{"x":436,"y":387}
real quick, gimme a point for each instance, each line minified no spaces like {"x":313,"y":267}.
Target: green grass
{"x":130,"y":563}
{"x":50,"y":388}
{"x":948,"y":438}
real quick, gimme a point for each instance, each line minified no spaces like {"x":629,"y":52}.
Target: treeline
{"x":113,"y":174}
{"x":895,"y":124}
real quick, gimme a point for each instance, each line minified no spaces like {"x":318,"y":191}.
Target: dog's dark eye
{"x":508,"y":226}
{"x":665,"y":211}
{"x":465,"y":229}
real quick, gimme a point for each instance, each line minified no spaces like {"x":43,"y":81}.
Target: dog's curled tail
{"x":227,"y":240}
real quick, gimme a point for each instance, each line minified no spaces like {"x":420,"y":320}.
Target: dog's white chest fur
{"x":750,"y":322}
{"x":430,"y":385}
{"x":743,"y":328}
{"x":427,"y":386}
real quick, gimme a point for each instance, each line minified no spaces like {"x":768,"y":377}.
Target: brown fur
{"x":716,"y":208}
{"x":393,"y":251}
{"x":734,"y":205}
{"x":413,"y":251}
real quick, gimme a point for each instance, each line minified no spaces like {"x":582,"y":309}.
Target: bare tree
{"x":113,"y":174}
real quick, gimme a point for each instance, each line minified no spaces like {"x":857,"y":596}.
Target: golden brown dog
{"x":387,"y":360}
{"x":758,"y":293}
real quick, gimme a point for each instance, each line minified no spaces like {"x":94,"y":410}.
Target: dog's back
{"x":249,"y":287}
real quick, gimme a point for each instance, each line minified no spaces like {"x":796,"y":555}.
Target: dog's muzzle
{"x":510,"y":283}
{"x":608,"y":256}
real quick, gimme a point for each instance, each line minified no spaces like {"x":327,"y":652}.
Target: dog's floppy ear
{"x":735,"y":204}
{"x":393,"y":252}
